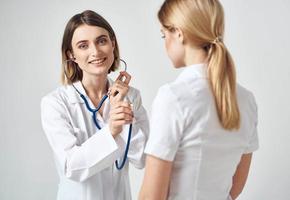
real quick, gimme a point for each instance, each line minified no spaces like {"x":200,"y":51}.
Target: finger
{"x":113,"y":92}
{"x":127,"y":77}
{"x":122,"y":109}
{"x":120,"y":84}
{"x":119,"y":77}
{"x":119,"y":87}
{"x":122,"y":104}
{"x":119,"y":96}
{"x":121,"y":116}
{"x":123,"y":91}
{"x":121,"y":122}
{"x":117,"y":115}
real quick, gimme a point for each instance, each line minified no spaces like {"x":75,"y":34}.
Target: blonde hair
{"x":71,"y":72}
{"x":202,"y":22}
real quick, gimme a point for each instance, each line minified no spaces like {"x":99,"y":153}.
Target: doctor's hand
{"x":120,"y":88}
{"x":121,"y":113}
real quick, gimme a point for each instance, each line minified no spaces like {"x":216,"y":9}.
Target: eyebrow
{"x":101,"y":36}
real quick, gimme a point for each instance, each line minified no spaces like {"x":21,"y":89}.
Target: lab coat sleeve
{"x":166,"y":125}
{"x":78,"y":162}
{"x":140,"y":131}
{"x":253,"y":143}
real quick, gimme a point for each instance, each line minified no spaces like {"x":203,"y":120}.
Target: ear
{"x":179,"y":35}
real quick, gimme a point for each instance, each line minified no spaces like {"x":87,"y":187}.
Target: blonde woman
{"x":204,"y":125}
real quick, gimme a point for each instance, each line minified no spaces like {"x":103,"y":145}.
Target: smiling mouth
{"x":98,"y":61}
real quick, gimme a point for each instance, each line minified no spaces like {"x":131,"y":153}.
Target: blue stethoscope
{"x":94,"y":115}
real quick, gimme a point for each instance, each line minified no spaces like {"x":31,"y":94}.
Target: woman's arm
{"x":241,"y":175}
{"x":156,"y":180}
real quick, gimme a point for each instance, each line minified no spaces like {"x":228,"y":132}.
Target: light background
{"x":257,"y":34}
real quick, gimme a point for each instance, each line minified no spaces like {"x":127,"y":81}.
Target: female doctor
{"x":84,"y":154}
{"x":203,"y":128}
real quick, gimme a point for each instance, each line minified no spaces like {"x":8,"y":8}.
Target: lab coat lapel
{"x":73,"y":95}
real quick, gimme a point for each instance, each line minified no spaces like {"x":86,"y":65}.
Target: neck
{"x":95,"y":87}
{"x":194,"y":56}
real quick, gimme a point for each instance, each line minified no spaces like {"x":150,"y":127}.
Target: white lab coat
{"x":85,"y":156}
{"x":185,"y":129}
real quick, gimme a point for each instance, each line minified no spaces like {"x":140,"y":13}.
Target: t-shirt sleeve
{"x":165,"y":125}
{"x":253,"y":143}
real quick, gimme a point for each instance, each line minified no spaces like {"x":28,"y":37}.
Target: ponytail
{"x":201,"y":21}
{"x":222,"y":78}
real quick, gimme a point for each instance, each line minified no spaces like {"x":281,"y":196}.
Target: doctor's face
{"x":93,"y":50}
{"x":174,"y":48}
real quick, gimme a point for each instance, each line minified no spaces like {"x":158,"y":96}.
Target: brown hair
{"x":202,"y":22}
{"x":71,"y":72}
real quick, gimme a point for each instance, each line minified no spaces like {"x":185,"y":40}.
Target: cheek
{"x":175,"y":52}
{"x":80,"y":58}
{"x":110,"y":55}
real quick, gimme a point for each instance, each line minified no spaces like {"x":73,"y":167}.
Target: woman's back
{"x":204,"y":154}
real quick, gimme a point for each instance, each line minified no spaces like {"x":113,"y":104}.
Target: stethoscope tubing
{"x":94,"y":112}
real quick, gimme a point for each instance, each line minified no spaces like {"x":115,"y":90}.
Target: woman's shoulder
{"x":167,"y":95}
{"x":246,"y":97}
{"x":59,"y":94}
{"x":173,"y":92}
{"x":243,"y":92}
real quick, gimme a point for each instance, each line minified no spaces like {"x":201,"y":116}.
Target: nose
{"x":94,"y":50}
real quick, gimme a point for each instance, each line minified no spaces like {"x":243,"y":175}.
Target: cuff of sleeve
{"x":251,"y":148}
{"x":121,"y":145}
{"x":91,"y":149}
{"x":161,"y":151}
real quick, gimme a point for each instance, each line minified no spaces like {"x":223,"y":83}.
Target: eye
{"x":102,"y":41}
{"x":83,"y":46}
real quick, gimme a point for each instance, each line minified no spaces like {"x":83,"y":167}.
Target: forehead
{"x":87,"y":32}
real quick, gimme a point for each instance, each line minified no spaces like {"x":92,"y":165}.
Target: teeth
{"x":98,"y":61}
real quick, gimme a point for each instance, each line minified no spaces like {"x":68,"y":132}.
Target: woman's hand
{"x":121,"y":112}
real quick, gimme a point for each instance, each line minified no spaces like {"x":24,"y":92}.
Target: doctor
{"x":204,"y":125}
{"x":84,"y":155}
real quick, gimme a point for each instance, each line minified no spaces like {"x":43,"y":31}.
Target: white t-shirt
{"x":185,"y":129}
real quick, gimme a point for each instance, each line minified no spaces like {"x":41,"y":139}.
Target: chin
{"x":98,"y":72}
{"x":178,"y":65}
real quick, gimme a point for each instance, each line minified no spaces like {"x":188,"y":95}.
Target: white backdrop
{"x":257,"y":33}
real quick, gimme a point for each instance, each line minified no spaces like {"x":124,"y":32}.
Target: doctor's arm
{"x":78,"y":161}
{"x":240,"y":176}
{"x":156,"y":180}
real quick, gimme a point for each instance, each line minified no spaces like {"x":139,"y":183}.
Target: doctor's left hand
{"x":120,"y":88}
{"x":121,"y":112}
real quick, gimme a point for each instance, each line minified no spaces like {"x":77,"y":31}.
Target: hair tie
{"x":217,"y":40}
